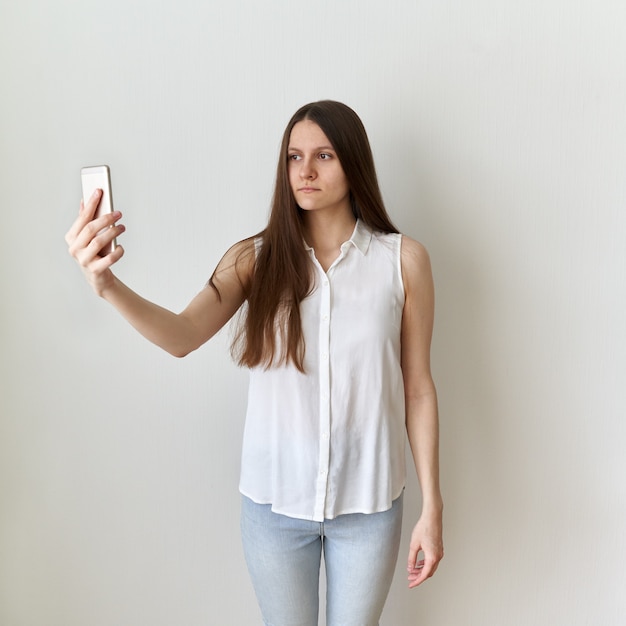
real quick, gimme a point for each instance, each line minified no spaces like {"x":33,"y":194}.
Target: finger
{"x":111,"y":257}
{"x":421,"y":572}
{"x":91,"y":204}
{"x":85,"y":215}
{"x":417,"y":568}
{"x":429,"y":568}
{"x":87,"y":246}
{"x":102,"y":228}
{"x":102,"y":241}
{"x":413,"y":554}
{"x":101,"y":264}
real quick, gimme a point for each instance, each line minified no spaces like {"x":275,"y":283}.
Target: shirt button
{"x":325,"y":355}
{"x":325,"y":318}
{"x":325,"y":435}
{"x":325,"y":283}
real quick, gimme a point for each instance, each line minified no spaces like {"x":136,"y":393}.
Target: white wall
{"x":500,"y":137}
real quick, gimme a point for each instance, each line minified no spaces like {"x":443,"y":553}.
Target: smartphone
{"x":99,"y":177}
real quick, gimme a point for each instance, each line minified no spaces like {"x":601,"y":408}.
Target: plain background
{"x":499,"y":132}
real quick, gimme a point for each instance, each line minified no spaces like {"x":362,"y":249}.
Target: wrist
{"x":107,"y":288}
{"x":432,"y":508}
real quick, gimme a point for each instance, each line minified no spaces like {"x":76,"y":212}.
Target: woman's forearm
{"x":168,"y":330}
{"x":422,"y":424}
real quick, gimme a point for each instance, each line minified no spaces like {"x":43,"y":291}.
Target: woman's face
{"x":316,"y":177}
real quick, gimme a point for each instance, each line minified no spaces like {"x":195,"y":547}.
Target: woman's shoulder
{"x":413,"y":248}
{"x":237,"y":263}
{"x":415,"y":261}
{"x":242,"y":252}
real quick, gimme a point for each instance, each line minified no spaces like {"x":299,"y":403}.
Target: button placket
{"x":324,"y":396}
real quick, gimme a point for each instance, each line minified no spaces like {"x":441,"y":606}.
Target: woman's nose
{"x":307,"y":170}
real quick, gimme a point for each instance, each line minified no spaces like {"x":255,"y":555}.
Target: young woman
{"x":336,"y":331}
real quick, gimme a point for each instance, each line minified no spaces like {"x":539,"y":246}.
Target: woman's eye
{"x":325,"y":156}
{"x":293,"y":157}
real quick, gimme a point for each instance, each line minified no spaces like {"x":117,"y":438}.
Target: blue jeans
{"x":284,"y":554}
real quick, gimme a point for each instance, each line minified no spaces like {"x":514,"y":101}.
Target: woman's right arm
{"x":179,"y":334}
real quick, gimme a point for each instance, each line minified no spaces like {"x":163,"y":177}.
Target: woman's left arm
{"x":422,"y":422}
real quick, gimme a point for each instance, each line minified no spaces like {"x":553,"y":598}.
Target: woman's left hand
{"x":427,"y":539}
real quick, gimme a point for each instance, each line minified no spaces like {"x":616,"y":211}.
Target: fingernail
{"x":96,"y":193}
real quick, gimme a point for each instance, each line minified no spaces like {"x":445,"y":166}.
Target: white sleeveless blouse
{"x":331,"y":441}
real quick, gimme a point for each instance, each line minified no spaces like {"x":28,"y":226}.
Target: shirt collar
{"x":360,"y":239}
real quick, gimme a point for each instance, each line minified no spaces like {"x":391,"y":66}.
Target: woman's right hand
{"x":87,"y":236}
{"x":179,"y":333}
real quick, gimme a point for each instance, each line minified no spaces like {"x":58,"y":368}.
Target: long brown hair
{"x":271,"y":330}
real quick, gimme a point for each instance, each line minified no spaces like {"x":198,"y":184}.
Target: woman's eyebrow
{"x":294,"y":149}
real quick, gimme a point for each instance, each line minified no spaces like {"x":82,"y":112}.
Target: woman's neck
{"x":325,"y":233}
